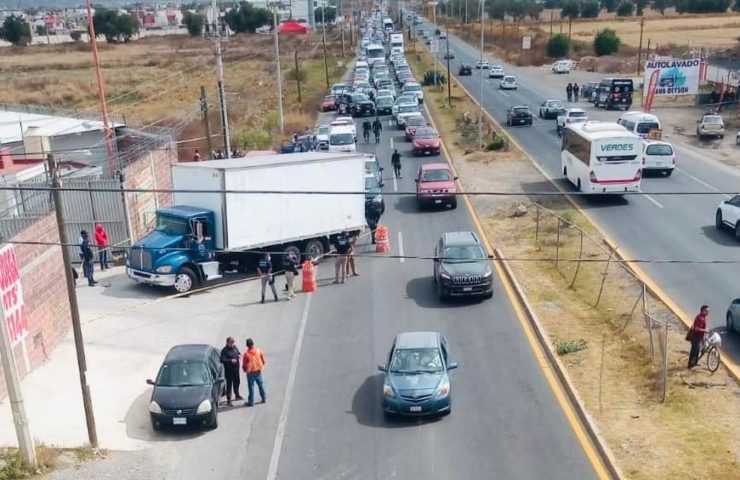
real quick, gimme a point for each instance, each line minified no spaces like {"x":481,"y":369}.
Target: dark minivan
{"x":188,"y":387}
{"x":614,"y":93}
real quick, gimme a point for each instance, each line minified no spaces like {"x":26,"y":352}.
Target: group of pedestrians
{"x":376,"y":127}
{"x":572,"y":90}
{"x":88,"y":257}
{"x":252,"y":363}
{"x":267,"y":276}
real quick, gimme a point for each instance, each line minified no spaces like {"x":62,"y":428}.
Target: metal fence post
{"x":665,"y":364}
{"x":578,"y":266}
{"x":557,"y":246}
{"x":603,"y":277}
{"x":537,"y":227}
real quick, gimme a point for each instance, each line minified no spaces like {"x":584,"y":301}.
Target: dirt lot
{"x":156,"y":81}
{"x":694,"y":433}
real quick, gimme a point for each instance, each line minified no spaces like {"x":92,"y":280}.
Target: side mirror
{"x":382,"y":368}
{"x":382,"y":185}
{"x":452,"y":366}
{"x":382,"y":168}
{"x":416,"y":180}
{"x":455,"y":178}
{"x":149,"y":381}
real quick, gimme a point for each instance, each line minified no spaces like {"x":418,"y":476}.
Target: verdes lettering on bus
{"x":618,"y":147}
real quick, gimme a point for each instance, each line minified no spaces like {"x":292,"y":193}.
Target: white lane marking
{"x":503,"y":93}
{"x":652,"y":200}
{"x":277,"y":445}
{"x":395,"y":182}
{"x":391,"y":143}
{"x":701,"y":182}
{"x":390,"y":122}
{"x":400,"y":247}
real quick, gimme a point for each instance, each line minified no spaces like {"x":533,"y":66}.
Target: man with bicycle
{"x":377,"y":128}
{"x":696,"y":335}
{"x":366,"y":127}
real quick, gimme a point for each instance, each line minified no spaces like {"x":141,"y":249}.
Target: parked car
{"x":412,"y":124}
{"x":710,"y":126}
{"x":551,"y":109}
{"x":345,"y":121}
{"x":362,"y":106}
{"x":329,"y":103}
{"x":416,"y":380}
{"x":415,"y":88}
{"x":383,"y":105}
{"x":508,"y":83}
{"x":322,"y":137}
{"x":733,"y":317}
{"x":426,"y":141}
{"x":188,"y":387}
{"x":482,"y":64}
{"x":497,"y":71}
{"x":519,"y":115}
{"x":461,"y":266}
{"x":374,"y":193}
{"x":588,"y":90}
{"x":450,"y":55}
{"x":406,"y":110}
{"x":728,"y":215}
{"x":561,"y":66}
{"x":402,"y":99}
{"x":465,"y":70}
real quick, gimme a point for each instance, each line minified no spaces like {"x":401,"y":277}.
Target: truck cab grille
{"x":140,"y":258}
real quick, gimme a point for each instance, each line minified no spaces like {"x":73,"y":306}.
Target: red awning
{"x":293,"y":27}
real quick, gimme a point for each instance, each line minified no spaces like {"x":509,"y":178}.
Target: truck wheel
{"x":294,"y":249}
{"x":314,"y":250}
{"x":185,"y":280}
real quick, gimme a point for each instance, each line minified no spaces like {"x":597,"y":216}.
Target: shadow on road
{"x":368,"y":410}
{"x":725,"y":237}
{"x":139,"y":427}
{"x":421,"y":290}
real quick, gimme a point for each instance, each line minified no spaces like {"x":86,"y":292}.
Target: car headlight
{"x":488,"y":273}
{"x":444,"y":389}
{"x":164,"y":269}
{"x":204,"y":407}
{"x":388,"y":391}
{"x":154,"y":407}
{"x":444,"y":274}
{"x":377,"y":198}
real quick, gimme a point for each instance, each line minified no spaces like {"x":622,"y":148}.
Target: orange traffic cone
{"x":382,"y":244}
{"x":309,"y":277}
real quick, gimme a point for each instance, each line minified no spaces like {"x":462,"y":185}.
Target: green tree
{"x":571,"y":9}
{"x":247,"y":19}
{"x":552,"y":4}
{"x":640,"y":4}
{"x":16,"y":30}
{"x":75,"y":35}
{"x":114,"y":26}
{"x":194,"y":23}
{"x":590,"y":9}
{"x":558,"y":46}
{"x":661,"y":5}
{"x":610,"y":5}
{"x":497,"y":9}
{"x":702,"y":6}
{"x":606,"y":42}
{"x":626,"y":9}
{"x":736,"y":6}
{"x":329,"y":14}
{"x":534,"y":9}
{"x":40,"y":30}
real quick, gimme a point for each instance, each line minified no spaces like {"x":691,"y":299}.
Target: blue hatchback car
{"x":417,"y":382}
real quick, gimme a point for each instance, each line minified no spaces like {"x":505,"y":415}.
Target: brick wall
{"x":44,"y":293}
{"x":153,"y":171}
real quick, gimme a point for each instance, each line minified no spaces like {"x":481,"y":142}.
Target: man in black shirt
{"x":342,"y":245}
{"x":230,"y":357}
{"x":377,"y":128}
{"x":87,"y":258}
{"x":366,"y":127}
{"x":264,"y":268}
{"x":372,"y":217}
{"x":396,"y":163}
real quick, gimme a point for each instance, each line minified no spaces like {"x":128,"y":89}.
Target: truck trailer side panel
{"x":201,"y":179}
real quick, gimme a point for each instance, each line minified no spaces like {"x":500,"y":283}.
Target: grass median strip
{"x":611,"y":339}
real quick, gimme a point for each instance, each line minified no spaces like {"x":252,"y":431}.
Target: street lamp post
{"x":480,"y":80}
{"x":449,"y":75}
{"x":277,"y":63}
{"x":435,"y":44}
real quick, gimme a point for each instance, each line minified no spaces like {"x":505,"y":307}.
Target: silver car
{"x":733,"y":317}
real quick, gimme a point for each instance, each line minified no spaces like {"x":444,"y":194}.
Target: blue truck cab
{"x":179,"y":252}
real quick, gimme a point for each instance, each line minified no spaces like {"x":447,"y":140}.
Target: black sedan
{"x":416,"y":376}
{"x":465,"y":70}
{"x":551,"y":109}
{"x":188,"y":387}
{"x":384,"y":106}
{"x":363,"y":108}
{"x":520,"y":115}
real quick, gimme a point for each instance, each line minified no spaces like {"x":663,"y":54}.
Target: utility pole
{"x":108,"y":131}
{"x":551,"y":23}
{"x":220,"y":79}
{"x":56,"y":183}
{"x":206,"y":120}
{"x":323,"y":42}
{"x":279,"y":73}
{"x":480,"y":81}
{"x":22,"y":431}
{"x":639,"y":49}
{"x":298,"y":81}
{"x":449,"y":75}
{"x":466,"y":12}
{"x":570,"y":24}
{"x":341,"y":24}
{"x":436,"y":38}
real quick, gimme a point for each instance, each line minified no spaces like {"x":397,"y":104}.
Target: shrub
{"x":558,"y":46}
{"x":428,"y":79}
{"x":252,"y":139}
{"x":497,"y":142}
{"x":571,"y":9}
{"x":606,"y":42}
{"x":610,"y":5}
{"x":590,"y":9}
{"x":194,"y":23}
{"x":16,"y":31}
{"x":626,"y":9}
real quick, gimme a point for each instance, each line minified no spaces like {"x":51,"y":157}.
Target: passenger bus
{"x":374,"y":51}
{"x":601,"y":157}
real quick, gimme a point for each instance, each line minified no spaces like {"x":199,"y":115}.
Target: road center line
{"x":400,"y":247}
{"x":652,"y":200}
{"x":503,"y":93}
{"x":277,"y":444}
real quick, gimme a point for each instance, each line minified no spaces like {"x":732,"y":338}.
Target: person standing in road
{"x":696,"y":335}
{"x":87,"y":258}
{"x":341,"y":244}
{"x":230,"y":356}
{"x":351,"y":256}
{"x":576,"y":91}
{"x":291,"y":270}
{"x":377,"y":128}
{"x":396,"y":163}
{"x":101,"y":240}
{"x":569,"y":92}
{"x":264,"y":268}
{"x":372,"y":217}
{"x":253,"y":362}
{"x":366,"y":127}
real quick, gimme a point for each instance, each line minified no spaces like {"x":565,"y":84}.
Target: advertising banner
{"x":652,"y":85}
{"x":675,"y":77}
{"x":11,"y":294}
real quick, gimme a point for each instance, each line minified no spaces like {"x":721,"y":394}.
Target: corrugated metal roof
{"x":48,"y":126}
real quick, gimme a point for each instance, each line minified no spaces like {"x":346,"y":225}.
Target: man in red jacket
{"x":101,"y":240}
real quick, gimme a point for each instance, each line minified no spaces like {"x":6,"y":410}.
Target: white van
{"x":361,"y":65}
{"x":639,"y":123}
{"x":342,"y":139}
{"x":658,"y":156}
{"x":561,"y":66}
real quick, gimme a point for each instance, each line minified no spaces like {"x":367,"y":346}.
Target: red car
{"x":328,"y":104}
{"x":412,"y":123}
{"x":435,"y":185}
{"x":426,"y":140}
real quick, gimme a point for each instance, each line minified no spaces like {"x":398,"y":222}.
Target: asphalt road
{"x":647,"y":227}
{"x":506,"y":422}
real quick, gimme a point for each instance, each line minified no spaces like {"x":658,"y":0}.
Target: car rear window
{"x":645,"y":127}
{"x":659,"y":149}
{"x":577,"y":114}
{"x":713,"y":119}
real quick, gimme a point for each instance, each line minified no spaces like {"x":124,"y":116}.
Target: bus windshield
{"x":375,"y":51}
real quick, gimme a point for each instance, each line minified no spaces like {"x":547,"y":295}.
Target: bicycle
{"x":710,"y":347}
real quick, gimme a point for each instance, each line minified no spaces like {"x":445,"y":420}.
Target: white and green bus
{"x":601,"y":157}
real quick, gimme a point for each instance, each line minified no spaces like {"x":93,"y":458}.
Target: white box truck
{"x":396,"y":42}
{"x":218,"y":228}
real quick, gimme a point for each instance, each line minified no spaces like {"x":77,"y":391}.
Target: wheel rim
{"x":314,"y":251}
{"x":713,"y":359}
{"x":183,"y":283}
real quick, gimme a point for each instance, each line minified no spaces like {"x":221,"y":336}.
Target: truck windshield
{"x":172,"y":225}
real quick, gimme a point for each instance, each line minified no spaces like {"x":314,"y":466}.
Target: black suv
{"x":461,"y":266}
{"x":520,"y":115}
{"x":361,"y":105}
{"x":465,"y":70}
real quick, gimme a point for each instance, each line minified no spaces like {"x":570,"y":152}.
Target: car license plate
{"x":179,"y":421}
{"x":438,"y":201}
{"x":415,"y":409}
{"x":467,"y":289}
